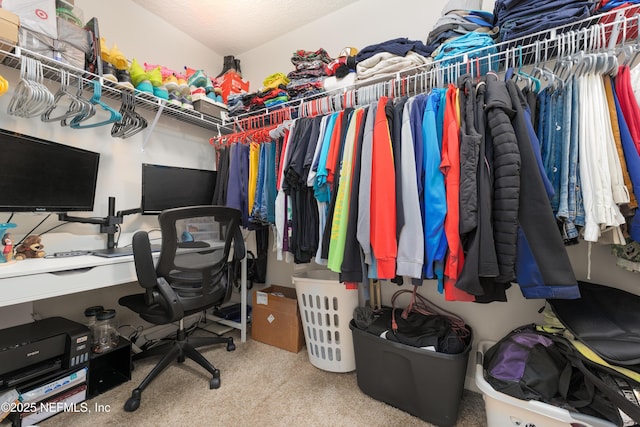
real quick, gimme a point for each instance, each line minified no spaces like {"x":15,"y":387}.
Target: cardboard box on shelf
{"x":275,"y":318}
{"x":232,"y":83}
{"x":36,"y":15}
{"x":9,"y":24}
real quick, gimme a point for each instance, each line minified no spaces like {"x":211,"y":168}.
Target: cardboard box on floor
{"x":275,"y":318}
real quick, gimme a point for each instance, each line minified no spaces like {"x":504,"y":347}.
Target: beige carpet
{"x":261,"y":385}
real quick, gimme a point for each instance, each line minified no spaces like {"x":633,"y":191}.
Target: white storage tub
{"x":507,"y":411}
{"x":326,"y":308}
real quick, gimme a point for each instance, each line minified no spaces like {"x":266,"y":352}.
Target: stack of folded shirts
{"x":468,"y":47}
{"x":310,"y":71}
{"x":237,"y":103}
{"x":302,"y":88}
{"x":309,"y":64}
{"x":519,"y":18}
{"x":460,"y":17}
{"x":390,"y":57}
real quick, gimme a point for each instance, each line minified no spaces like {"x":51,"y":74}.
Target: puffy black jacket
{"x":506,"y":161}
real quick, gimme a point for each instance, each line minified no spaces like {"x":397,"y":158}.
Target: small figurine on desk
{"x":31,"y":247}
{"x":7,"y":251}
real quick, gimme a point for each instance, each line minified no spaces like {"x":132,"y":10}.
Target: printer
{"x":45,"y":363}
{"x":42,"y":348}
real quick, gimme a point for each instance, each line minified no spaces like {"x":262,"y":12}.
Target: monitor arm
{"x":108,"y":224}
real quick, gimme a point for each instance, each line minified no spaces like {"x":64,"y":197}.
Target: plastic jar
{"x":105,"y":331}
{"x":90,"y":314}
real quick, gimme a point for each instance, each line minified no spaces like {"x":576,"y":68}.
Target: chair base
{"x":179,"y":350}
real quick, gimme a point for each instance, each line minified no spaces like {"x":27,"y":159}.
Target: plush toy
{"x":31,"y":247}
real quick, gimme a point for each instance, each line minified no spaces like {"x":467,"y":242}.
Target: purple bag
{"x":527,"y":365}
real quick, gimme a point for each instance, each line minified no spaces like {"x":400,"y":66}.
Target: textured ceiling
{"x":231,"y":27}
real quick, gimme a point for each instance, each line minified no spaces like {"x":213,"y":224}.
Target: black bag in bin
{"x":421,"y":324}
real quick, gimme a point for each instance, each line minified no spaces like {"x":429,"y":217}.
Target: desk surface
{"x":51,"y":265}
{"x":39,"y":278}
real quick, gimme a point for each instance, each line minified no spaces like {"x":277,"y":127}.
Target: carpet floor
{"x":260,"y":385}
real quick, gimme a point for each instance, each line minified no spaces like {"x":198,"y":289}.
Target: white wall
{"x":358,"y":25}
{"x":147,"y":38}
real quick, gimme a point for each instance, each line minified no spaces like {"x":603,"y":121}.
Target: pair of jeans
{"x":569,"y":188}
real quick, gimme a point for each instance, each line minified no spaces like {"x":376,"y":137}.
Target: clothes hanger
{"x":114,"y":116}
{"x":520,"y":74}
{"x":87,"y":108}
{"x":131,"y":122}
{"x":73,"y":108}
{"x":636,"y":45}
{"x":31,"y":97}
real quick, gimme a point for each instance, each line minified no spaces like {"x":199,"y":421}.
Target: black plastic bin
{"x":424,"y":383}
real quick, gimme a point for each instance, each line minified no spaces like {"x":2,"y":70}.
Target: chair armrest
{"x":168,"y":299}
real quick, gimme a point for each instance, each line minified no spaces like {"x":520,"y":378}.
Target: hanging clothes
{"x":383,"y":197}
{"x":411,"y":237}
{"x":352,"y":268}
{"x":632,"y":160}
{"x":363,"y":232}
{"x":615,"y":127}
{"x":506,"y":166}
{"x":450,"y":167}
{"x":237,"y":185}
{"x":222,"y":177}
{"x":600,"y":208}
{"x":341,"y":213}
{"x":433,"y":203}
{"x":542,"y":264}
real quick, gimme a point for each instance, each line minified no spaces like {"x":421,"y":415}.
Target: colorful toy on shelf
{"x":31,"y":247}
{"x":7,"y":241}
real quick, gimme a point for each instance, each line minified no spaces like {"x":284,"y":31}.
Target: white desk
{"x":35,"y":279}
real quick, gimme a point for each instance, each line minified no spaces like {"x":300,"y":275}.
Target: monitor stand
{"x":117,"y":252}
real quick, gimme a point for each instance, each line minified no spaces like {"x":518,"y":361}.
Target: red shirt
{"x":383,"y":197}
{"x":450,"y":167}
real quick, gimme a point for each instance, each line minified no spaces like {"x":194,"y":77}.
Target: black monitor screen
{"x":165,"y":187}
{"x":43,"y":176}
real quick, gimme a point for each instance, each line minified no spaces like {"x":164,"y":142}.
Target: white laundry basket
{"x":326,"y":308}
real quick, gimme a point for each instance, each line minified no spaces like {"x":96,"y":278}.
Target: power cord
{"x":33,"y":229}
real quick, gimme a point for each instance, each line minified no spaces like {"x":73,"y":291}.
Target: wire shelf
{"x":52,"y":72}
{"x":599,"y":33}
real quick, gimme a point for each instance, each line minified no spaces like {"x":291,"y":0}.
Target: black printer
{"x":46,"y":362}
{"x":49,"y":346}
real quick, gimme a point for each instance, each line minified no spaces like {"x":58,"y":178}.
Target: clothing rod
{"x":604,"y":31}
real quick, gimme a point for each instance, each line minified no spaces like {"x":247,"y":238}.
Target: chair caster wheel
{"x":181,"y":359}
{"x":133,"y":402}
{"x":231,"y":346}
{"x":215,"y":381}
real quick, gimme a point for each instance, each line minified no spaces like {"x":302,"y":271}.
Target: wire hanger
{"x":74,"y":106}
{"x":114,"y":116}
{"x":31,"y":97}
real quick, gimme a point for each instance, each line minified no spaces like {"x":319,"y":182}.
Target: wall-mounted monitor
{"x":165,"y":187}
{"x":37,"y":175}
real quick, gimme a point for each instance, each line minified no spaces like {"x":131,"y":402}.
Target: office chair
{"x":193,"y":274}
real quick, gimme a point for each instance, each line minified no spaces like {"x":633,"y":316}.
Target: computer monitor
{"x":165,"y":187}
{"x":37,"y":175}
